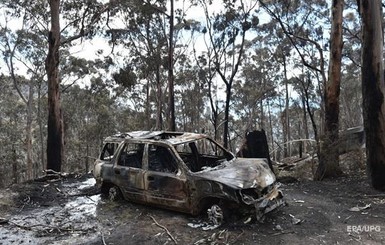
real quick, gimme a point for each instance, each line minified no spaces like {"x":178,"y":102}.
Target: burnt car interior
{"x":202,"y":154}
{"x":108,"y":151}
{"x":131,"y":155}
{"x":198,"y":155}
{"x":161,"y":160}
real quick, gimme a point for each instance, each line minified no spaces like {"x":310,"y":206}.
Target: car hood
{"x":241,"y":173}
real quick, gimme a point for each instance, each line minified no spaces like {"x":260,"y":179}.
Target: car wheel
{"x":216,"y":215}
{"x":114,"y":194}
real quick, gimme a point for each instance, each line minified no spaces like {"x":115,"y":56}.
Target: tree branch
{"x":291,"y":35}
{"x":164,"y":228}
{"x":84,"y":31}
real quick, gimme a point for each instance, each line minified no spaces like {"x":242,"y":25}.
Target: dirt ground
{"x":69,"y":210}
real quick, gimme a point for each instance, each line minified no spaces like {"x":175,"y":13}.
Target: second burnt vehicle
{"x":185,"y":172}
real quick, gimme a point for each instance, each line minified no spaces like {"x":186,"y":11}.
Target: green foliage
{"x":125,"y":77}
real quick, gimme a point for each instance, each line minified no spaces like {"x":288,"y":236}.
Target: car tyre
{"x":114,"y":194}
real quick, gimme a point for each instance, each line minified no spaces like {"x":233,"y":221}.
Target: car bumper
{"x":267,"y":203}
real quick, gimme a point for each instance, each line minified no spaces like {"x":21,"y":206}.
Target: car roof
{"x":170,"y":137}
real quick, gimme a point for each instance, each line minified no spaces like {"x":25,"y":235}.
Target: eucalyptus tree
{"x":154,"y":44}
{"x":12,"y":111}
{"x":89,"y":115}
{"x":280,"y":53}
{"x":143,"y":35}
{"x":300,"y":35}
{"x":191,"y":95}
{"x":373,"y":89}
{"x":329,"y":161}
{"x":22,"y":46}
{"x":225,"y":32}
{"x":257,"y":84}
{"x":55,"y":140}
{"x":171,"y":94}
{"x":351,"y":92}
{"x":80,"y":21}
{"x":86,"y":95}
{"x":24,"y":41}
{"x":310,"y":102}
{"x":207,"y":73}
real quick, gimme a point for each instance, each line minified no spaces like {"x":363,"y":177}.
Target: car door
{"x":105,"y":161}
{"x":165,"y":183}
{"x":129,"y":173}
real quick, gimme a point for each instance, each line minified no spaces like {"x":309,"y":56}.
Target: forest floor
{"x":70,"y":211}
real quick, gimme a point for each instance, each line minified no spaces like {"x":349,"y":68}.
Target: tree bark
{"x":305,"y":126}
{"x":41,"y":134}
{"x":159,"y":109}
{"x":227,"y":115}
{"x":329,"y":158}
{"x":55,"y":143}
{"x":287,"y":120}
{"x":214,"y":110}
{"x":30,"y":170}
{"x":171,"y":97}
{"x":271,"y":127}
{"x":373,"y":90}
{"x":148,"y":114}
{"x":15,"y":168}
{"x":261,"y":124}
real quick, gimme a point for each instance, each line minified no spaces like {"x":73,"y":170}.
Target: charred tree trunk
{"x":214,"y":111}
{"x":271,"y":127}
{"x":329,"y":158}
{"x":261,"y":124}
{"x":41,"y":134}
{"x":373,"y":90}
{"x":159,"y":118}
{"x":256,"y":146}
{"x":284,"y":133}
{"x":15,"y":169}
{"x":310,"y":113}
{"x":227,"y":112}
{"x":148,"y":114}
{"x":171,"y":97}
{"x":55,"y":143}
{"x":87,"y":157}
{"x":305,"y":127}
{"x":229,"y":85}
{"x":287,"y":120}
{"x":30,"y":170}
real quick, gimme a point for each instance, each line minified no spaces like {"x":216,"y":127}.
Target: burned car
{"x":185,"y":172}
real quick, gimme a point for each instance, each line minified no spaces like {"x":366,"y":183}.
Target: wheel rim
{"x":113,"y":193}
{"x":215,"y":214}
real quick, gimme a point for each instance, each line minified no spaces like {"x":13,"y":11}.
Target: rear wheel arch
{"x":114,"y":193}
{"x":111,"y":191}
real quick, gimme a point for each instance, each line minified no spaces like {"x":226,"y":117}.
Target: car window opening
{"x":131,"y":155}
{"x":108,"y":151}
{"x":161,"y":160}
{"x":202,"y":154}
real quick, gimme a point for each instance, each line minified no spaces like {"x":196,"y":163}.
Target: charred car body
{"x":186,"y":172}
